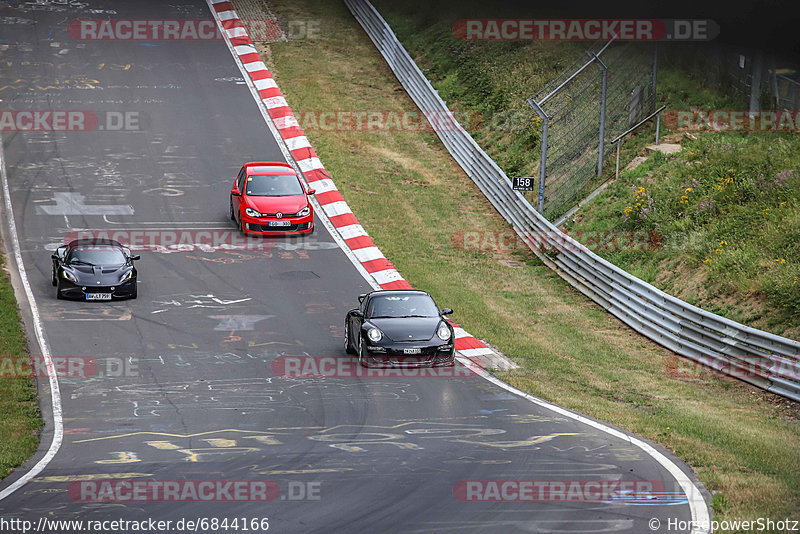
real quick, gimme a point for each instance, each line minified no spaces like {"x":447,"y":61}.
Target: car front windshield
{"x":402,"y":306}
{"x":273,"y":185}
{"x":96,"y":255}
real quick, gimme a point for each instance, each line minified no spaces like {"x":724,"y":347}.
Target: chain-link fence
{"x":732,"y":71}
{"x":739,"y":70}
{"x":787,"y":90}
{"x":578,"y":117}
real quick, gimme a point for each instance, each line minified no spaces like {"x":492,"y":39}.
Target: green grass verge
{"x":728,"y":208}
{"x":413,"y":200}
{"x":19,"y":411}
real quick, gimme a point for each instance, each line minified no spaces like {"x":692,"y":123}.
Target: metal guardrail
{"x":765,"y":360}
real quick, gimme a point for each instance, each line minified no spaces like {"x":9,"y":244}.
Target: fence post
{"x":658,"y":126}
{"x":543,"y":154}
{"x":755,"y":85}
{"x":602,"y":135}
{"x":654,"y":83}
{"x":775,"y":90}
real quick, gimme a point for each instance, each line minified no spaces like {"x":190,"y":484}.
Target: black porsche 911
{"x":399,"y":328}
{"x":94,"y":269}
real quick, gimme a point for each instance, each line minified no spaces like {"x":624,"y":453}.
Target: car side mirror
{"x":446,"y":311}
{"x":135,"y":257}
{"x":55,"y":256}
{"x":358,"y":313}
{"x":235,"y":192}
{"x":312,"y":191}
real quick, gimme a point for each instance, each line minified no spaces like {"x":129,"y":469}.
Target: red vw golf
{"x":268,"y":198}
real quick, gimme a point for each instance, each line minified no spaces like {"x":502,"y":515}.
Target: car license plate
{"x":98,"y":296}
{"x":412,"y":351}
{"x":280,"y":223}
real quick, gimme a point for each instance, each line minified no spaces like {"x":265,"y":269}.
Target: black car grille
{"x":290,"y":228}
{"x":424,"y":353}
{"x":75,"y":291}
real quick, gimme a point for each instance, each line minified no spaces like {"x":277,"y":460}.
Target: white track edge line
{"x":55,"y":392}
{"x":697,"y":504}
{"x":693,"y":494}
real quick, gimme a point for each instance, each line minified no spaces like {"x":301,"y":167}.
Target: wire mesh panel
{"x":573,"y":105}
{"x":787,"y":92}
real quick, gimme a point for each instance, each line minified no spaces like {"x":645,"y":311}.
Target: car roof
{"x":94,"y":241}
{"x":390,"y":292}
{"x":260,"y":171}
{"x":268,"y":167}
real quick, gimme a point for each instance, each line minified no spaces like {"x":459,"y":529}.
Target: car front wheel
{"x":347,"y":348}
{"x":363,"y":358}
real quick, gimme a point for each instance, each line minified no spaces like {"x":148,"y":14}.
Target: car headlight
{"x":303,"y":212}
{"x":69,"y":276}
{"x":251,"y":212}
{"x":443,"y":333}
{"x":127,"y":276}
{"x":374,"y":335}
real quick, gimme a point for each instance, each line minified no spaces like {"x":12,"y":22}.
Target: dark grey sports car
{"x":399,"y":328}
{"x":94,"y":269}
